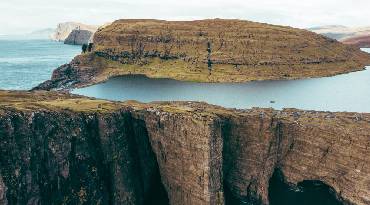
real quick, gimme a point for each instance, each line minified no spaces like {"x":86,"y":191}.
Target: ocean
{"x":26,"y":63}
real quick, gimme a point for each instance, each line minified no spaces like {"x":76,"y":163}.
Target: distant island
{"x":74,"y":33}
{"x":215,"y":50}
{"x":359,"y":36}
{"x":34,"y":35}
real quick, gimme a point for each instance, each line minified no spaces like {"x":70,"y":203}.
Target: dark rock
{"x":62,"y":149}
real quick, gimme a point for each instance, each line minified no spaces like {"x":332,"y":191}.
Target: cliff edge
{"x":208,"y":51}
{"x":63,"y":149}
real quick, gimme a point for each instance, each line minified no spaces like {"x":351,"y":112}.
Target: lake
{"x":347,"y":92}
{"x":25,"y":63}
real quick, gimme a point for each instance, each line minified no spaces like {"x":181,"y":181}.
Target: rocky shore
{"x":207,"y":51}
{"x":62,"y":149}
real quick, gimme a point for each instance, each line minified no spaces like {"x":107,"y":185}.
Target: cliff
{"x":209,"y":51}
{"x":79,"y":37}
{"x":63,"y":30}
{"x":62,"y":149}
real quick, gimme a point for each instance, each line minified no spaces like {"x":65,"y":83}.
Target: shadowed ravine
{"x":304,"y":193}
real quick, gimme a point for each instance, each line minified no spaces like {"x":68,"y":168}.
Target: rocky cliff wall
{"x":62,"y":149}
{"x":303,"y":145}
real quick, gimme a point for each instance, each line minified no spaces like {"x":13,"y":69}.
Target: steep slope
{"x":209,"y":51}
{"x":57,"y":148}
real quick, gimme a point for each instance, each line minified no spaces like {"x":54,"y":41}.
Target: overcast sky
{"x":20,"y":16}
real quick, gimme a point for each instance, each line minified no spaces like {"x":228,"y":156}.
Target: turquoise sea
{"x":26,"y":63}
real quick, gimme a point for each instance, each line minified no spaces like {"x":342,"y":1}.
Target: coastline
{"x":82,"y":83}
{"x":161,"y":49}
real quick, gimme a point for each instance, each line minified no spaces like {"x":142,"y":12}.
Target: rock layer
{"x":212,"y":51}
{"x":58,"y":148}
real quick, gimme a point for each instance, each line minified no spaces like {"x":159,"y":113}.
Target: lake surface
{"x":348,"y":92}
{"x":27,"y":63}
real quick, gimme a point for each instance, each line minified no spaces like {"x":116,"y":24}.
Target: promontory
{"x":215,"y":50}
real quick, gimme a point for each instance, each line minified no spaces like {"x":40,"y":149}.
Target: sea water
{"x":26,"y":63}
{"x":348,"y":92}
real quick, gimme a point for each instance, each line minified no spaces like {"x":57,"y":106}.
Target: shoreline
{"x":104,"y":78}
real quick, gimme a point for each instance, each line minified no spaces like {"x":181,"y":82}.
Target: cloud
{"x":26,"y":15}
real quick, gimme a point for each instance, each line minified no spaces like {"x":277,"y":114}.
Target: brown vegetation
{"x":233,"y":50}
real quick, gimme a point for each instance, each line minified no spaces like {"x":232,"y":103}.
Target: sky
{"x":22,"y":16}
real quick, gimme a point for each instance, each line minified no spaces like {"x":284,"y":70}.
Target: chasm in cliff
{"x":58,"y":148}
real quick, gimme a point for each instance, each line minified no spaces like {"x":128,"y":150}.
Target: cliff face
{"x":79,"y":37}
{"x":63,"y":30}
{"x":213,"y":51}
{"x":62,"y":149}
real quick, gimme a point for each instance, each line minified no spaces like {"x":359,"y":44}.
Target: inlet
{"x":308,"y":192}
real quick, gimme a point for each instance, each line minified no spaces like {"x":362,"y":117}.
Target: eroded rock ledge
{"x":215,"y":50}
{"x":63,"y":149}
